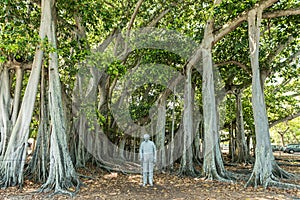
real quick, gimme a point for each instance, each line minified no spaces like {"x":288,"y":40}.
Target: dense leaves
{"x":93,"y":33}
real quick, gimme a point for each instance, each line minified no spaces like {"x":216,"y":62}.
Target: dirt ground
{"x":116,"y":186}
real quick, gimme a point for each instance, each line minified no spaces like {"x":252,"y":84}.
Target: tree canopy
{"x":87,"y":79}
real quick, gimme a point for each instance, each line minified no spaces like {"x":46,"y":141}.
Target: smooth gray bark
{"x":187,"y":167}
{"x":171,"y":156}
{"x":17,"y":94}
{"x":12,"y":165}
{"x":4,"y":109}
{"x":265,"y":170}
{"x":241,"y":150}
{"x":84,"y":103}
{"x":160,"y":133}
{"x":62,"y":175}
{"x":213,"y":167}
{"x":38,"y":166}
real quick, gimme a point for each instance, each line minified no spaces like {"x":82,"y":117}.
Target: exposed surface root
{"x":63,"y":192}
{"x":280,"y":173}
{"x":223,"y":176}
{"x":118,"y":165}
{"x":271,"y":180}
{"x":67,"y":188}
{"x":188,"y":172}
{"x":283,"y":185}
{"x":12,"y":167}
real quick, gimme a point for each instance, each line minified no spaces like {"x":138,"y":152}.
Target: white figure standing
{"x":148,"y":158}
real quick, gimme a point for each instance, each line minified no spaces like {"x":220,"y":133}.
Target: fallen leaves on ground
{"x":101,"y":185}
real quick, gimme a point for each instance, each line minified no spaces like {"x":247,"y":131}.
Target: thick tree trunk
{"x":17,"y":94}
{"x":122,"y":148}
{"x":62,"y":175}
{"x":160,"y":134}
{"x":265,"y":168}
{"x":38,"y":166}
{"x":80,"y":150}
{"x":171,"y":156}
{"x":231,"y":141}
{"x":241,"y":151}
{"x":197,"y":144}
{"x":213,"y":167}
{"x":12,"y":164}
{"x":187,"y":167}
{"x":4,"y":109}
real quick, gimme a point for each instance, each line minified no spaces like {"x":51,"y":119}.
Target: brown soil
{"x":167,"y":186}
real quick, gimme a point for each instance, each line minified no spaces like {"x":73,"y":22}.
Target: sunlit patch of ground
{"x":167,"y":186}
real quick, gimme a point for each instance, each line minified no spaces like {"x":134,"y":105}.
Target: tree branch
{"x":107,"y":41}
{"x":162,"y":14}
{"x":286,"y":81}
{"x":268,"y":71}
{"x":241,"y":65}
{"x":291,"y":58}
{"x":133,"y":16}
{"x":279,"y":49}
{"x":295,"y":95}
{"x":287,"y":118}
{"x":65,"y":23}
{"x":283,"y":83}
{"x":232,"y":25}
{"x":23,"y":65}
{"x":130,"y":24}
{"x":217,"y":2}
{"x":158,"y":18}
{"x":109,"y":4}
{"x":281,"y":13}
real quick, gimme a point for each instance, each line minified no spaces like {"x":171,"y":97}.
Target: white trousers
{"x":148,"y":170}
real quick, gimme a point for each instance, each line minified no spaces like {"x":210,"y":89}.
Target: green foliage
{"x":282,"y":99}
{"x":230,"y":9}
{"x":18,"y":30}
{"x":92,"y":115}
{"x":115,"y":69}
{"x":34,"y":126}
{"x":83,"y":25}
{"x":143,"y":99}
{"x":290,"y":131}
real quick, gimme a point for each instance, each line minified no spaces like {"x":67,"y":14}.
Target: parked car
{"x":292,"y":148}
{"x":276,"y":147}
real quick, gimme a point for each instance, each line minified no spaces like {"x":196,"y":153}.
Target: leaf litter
{"x":104,"y":185}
